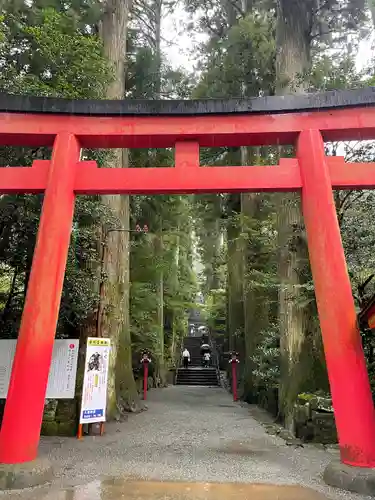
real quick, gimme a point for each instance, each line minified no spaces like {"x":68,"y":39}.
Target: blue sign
{"x":92,"y":413}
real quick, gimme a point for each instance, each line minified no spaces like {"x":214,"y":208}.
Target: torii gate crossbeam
{"x":69,"y":126}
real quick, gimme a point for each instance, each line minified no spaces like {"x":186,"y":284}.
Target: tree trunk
{"x":175,"y":277}
{"x":293,"y":41}
{"x":239,"y":320}
{"x":160,"y":365}
{"x":293,"y":62}
{"x":160,"y":375}
{"x":235,"y":323}
{"x":158,"y":5}
{"x":212,"y":244}
{"x":256,"y":300}
{"x":371,"y":4}
{"x":248,"y":209}
{"x":114,"y":307}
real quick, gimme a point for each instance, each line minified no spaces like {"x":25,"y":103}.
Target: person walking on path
{"x":186,"y":357}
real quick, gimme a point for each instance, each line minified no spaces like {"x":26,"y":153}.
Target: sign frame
{"x":95,"y":382}
{"x":63,"y":369}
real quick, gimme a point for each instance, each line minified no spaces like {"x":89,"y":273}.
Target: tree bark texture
{"x":114,"y":307}
{"x":175,"y":278}
{"x":256,"y":299}
{"x":293,"y":62}
{"x":160,"y":375}
{"x":235,"y":323}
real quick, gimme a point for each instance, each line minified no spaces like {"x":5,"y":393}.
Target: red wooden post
{"x":80,"y":431}
{"x":350,"y":388}
{"x":234,"y":381}
{"x":145,"y":379}
{"x":234,"y":363}
{"x":20,"y":430}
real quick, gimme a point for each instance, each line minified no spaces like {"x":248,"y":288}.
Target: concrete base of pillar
{"x":356,"y":479}
{"x":26,"y":475}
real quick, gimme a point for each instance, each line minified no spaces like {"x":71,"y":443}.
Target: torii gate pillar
{"x":347,"y":371}
{"x":22,"y":420}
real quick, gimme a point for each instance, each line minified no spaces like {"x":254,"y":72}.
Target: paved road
{"x":188,"y":434}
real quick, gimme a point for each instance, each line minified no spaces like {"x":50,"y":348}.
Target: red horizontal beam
{"x":24,"y":180}
{"x":188,"y":178}
{"x":208,"y":131}
{"x":351,"y":175}
{"x":91,"y":179}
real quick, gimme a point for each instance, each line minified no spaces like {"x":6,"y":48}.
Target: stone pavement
{"x":189,"y":442}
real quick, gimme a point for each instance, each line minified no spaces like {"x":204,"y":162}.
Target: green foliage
{"x":244,"y":55}
{"x":144,"y":77}
{"x":333,"y":74}
{"x":215,"y":310}
{"x":44,"y":51}
{"x":266,"y":359}
{"x":169,"y":220}
{"x":209,"y":230}
{"x":56,"y":59}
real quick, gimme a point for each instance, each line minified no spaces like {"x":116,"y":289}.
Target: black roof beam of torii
{"x":337,"y":99}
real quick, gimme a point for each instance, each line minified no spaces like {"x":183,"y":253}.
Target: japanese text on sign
{"x":62,"y":374}
{"x":94,"y":394}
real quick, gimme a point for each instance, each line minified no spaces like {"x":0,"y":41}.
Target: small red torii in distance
{"x":69,"y":126}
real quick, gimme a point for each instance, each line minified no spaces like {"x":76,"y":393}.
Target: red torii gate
{"x":69,"y":126}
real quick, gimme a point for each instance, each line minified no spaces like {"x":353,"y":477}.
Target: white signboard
{"x":63,"y":371}
{"x":94,"y":393}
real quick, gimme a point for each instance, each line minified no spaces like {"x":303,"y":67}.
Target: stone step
{"x":198,"y":369}
{"x":198,"y":379}
{"x":203,"y":384}
{"x":197,"y":376}
{"x":197,"y":364}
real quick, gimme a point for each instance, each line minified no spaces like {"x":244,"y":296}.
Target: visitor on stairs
{"x":186,"y":357}
{"x":206,"y":359}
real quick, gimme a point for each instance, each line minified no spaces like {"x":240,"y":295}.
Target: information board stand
{"x":95,"y":381}
{"x":62,"y":373}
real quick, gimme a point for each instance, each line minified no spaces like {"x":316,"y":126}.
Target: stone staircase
{"x":196,"y":374}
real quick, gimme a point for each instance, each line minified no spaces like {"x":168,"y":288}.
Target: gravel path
{"x":188,"y":434}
